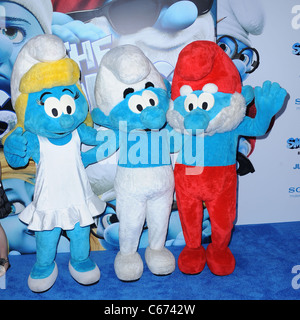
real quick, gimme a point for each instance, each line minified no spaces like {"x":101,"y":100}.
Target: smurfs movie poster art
{"x":161,"y":29}
{"x":89,"y":29}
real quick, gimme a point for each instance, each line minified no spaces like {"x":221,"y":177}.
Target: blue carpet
{"x":265,"y":256}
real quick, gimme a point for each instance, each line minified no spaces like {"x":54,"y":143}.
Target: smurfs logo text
{"x":293,"y":143}
{"x":296,"y":49}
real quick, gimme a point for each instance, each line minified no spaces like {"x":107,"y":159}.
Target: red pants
{"x":216,"y":186}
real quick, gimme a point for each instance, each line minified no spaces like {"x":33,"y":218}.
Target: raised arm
{"x":19,"y":147}
{"x":269,"y":99}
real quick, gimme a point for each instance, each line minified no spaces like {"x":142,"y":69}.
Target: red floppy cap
{"x":202,"y":62}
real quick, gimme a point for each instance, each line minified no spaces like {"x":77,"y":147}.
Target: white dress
{"x":62,"y":195}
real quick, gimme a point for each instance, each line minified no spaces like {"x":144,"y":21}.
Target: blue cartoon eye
{"x":225,"y":47}
{"x":13,"y":34}
{"x":52,"y":107}
{"x":109,"y":219}
{"x":245,"y":58}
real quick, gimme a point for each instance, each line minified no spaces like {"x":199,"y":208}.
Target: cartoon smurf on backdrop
{"x":20,"y":21}
{"x":237,"y":21}
{"x":90,"y":31}
{"x":160,"y":28}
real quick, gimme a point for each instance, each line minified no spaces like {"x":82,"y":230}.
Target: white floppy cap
{"x":240,"y":19}
{"x":122,"y":67}
{"x":42,"y":48}
{"x":42,"y":10}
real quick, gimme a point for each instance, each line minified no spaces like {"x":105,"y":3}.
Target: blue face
{"x":55,"y":112}
{"x":145,"y":109}
{"x":17,"y":26}
{"x":242,"y":56}
{"x":199,"y":107}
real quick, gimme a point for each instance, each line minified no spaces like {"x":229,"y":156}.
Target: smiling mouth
{"x":58,"y":133}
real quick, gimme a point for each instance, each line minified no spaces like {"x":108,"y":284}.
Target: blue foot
{"x":84,"y":272}
{"x":42,"y":278}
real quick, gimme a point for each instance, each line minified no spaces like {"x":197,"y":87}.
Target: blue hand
{"x":15,"y":149}
{"x":269,"y":98}
{"x":74,"y":31}
{"x":20,"y":146}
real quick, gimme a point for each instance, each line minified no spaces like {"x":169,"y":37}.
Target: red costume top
{"x":75,"y":5}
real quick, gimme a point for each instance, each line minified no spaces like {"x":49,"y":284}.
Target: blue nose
{"x":153,"y":117}
{"x":66,"y":121}
{"x":197,"y":119}
{"x":178,"y":16}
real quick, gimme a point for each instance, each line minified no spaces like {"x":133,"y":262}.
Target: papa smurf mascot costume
{"x":208,"y":95}
{"x":130,"y":91}
{"x":51,"y":109}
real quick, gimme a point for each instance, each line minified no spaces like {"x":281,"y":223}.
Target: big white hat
{"x":42,"y":10}
{"x":240,"y":18}
{"x":41,"y":63}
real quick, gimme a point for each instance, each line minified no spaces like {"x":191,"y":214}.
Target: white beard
{"x":226,"y":120}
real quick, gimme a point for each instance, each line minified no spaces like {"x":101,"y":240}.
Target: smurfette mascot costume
{"x":51,"y":109}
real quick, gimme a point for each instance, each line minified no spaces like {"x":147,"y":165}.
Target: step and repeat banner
{"x":272,"y":193}
{"x":261,"y":39}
